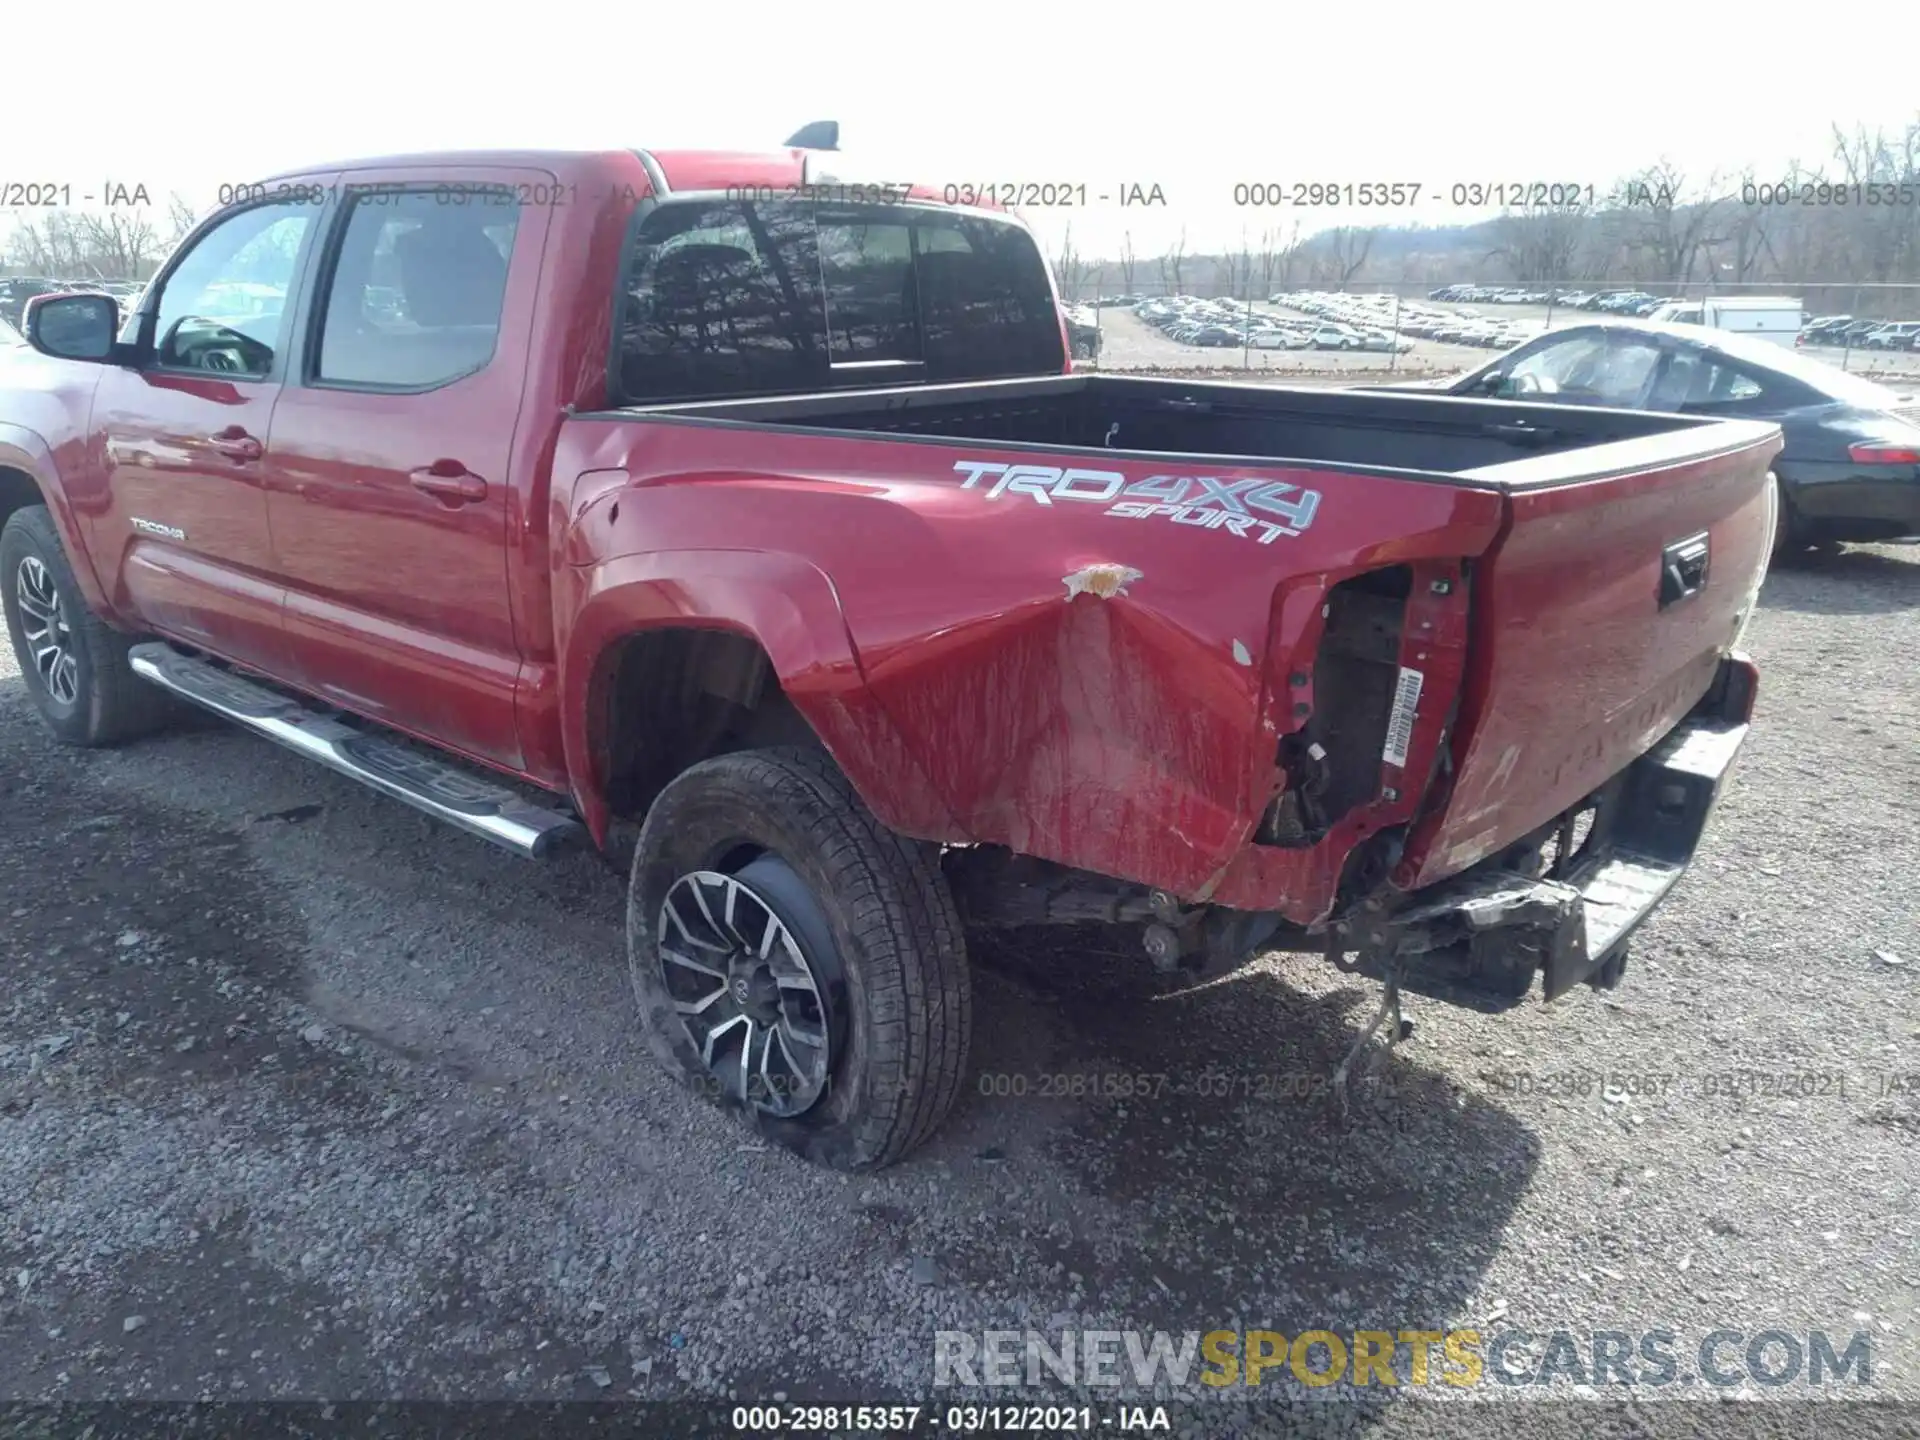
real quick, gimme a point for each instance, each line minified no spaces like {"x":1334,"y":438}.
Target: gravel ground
{"x":301,"y":1095}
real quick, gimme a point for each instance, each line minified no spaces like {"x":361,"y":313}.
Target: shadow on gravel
{"x":1845,"y":582}
{"x":142,"y":938}
{"x":1259,"y":1205}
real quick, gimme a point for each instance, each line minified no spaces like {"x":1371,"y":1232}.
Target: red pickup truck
{"x":561,"y":495}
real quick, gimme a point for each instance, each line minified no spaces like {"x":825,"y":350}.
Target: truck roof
{"x":1750,"y":302}
{"x":680,"y":169}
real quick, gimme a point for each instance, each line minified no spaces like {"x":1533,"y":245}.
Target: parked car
{"x":1850,"y":469}
{"x":9,"y":335}
{"x":1280,"y":338}
{"x":1083,"y":333}
{"x":1335,"y":337}
{"x":1380,"y":340}
{"x":1822,"y":330}
{"x":16,"y":291}
{"x":1897,"y":335}
{"x":698,"y":590}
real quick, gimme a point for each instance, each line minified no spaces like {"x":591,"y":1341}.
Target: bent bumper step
{"x":390,"y":765}
{"x":1493,"y":929}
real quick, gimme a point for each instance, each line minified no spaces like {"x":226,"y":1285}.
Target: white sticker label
{"x":1406,"y":700}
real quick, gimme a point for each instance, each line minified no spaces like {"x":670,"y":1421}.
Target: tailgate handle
{"x":1683,"y":569}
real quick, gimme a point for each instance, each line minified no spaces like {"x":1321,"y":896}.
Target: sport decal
{"x":1257,"y":509}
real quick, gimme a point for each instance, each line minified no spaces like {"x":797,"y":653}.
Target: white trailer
{"x":1765,"y":317}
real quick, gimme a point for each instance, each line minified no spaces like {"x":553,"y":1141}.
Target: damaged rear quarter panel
{"x":1086,"y":687}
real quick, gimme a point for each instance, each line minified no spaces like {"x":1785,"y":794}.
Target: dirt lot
{"x":1130,"y":343}
{"x":301,"y":1095}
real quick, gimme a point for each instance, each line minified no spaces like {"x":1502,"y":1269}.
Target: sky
{"x":1192,"y":99}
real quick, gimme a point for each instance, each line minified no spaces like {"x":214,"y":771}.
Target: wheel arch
{"x":669,"y":658}
{"x":27,"y":477}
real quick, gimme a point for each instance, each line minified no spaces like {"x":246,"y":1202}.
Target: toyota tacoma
{"x":703,"y":505}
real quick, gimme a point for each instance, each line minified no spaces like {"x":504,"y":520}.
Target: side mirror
{"x":73,"y":327}
{"x":1493,"y":384}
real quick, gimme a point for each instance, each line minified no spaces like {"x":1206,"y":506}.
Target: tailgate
{"x":1600,"y":616}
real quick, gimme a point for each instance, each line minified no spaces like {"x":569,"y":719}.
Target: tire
{"x":87,"y":694}
{"x":1791,"y":540}
{"x":881,"y":975}
{"x":1784,"y":524}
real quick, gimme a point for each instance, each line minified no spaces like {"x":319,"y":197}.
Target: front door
{"x":391,"y":451}
{"x":182,"y":537}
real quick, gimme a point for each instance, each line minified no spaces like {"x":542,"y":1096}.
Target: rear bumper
{"x":1484,"y":934}
{"x":1852,"y":506}
{"x":1665,"y":804}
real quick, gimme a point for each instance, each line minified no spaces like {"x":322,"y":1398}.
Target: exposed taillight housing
{"x":1874,"y":452}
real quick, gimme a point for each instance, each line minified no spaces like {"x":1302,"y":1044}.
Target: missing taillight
{"x":1333,"y":767}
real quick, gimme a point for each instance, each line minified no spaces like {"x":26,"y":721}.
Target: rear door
{"x":390,"y":496}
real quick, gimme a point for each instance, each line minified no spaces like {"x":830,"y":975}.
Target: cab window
{"x":417,"y":289}
{"x":224,"y":306}
{"x":725,"y":299}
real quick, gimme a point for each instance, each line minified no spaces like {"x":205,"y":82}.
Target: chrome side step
{"x":390,"y":765}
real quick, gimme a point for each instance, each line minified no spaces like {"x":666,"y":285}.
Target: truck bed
{"x":1405,"y":434}
{"x":1435,"y":623}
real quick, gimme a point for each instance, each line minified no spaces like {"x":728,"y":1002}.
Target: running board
{"x":391,"y":766}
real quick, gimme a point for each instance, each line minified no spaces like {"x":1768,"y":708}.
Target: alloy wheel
{"x":43,"y":625}
{"x":747,"y":991}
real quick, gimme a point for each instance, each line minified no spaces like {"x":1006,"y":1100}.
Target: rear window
{"x":724,"y":298}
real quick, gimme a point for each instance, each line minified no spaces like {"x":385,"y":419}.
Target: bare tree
{"x":1287,"y":259}
{"x":1234,"y":270}
{"x":1884,"y":239}
{"x":1171,"y":264}
{"x":47,"y":245}
{"x":119,"y":244}
{"x":1744,"y":236}
{"x":1274,"y":252}
{"x":1666,"y":228}
{"x":1345,"y":253}
{"x":182,"y":216}
{"x":1844,"y":219}
{"x":1537,"y":243}
{"x":1070,"y":267}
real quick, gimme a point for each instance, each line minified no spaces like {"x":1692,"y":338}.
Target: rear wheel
{"x":797,"y":961}
{"x":1792,"y":536}
{"x":73,"y":663}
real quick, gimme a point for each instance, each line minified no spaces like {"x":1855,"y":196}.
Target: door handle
{"x":236,"y":444}
{"x":449,"y":480}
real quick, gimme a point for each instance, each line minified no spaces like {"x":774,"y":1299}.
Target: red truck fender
{"x":790,"y":609}
{"x":23,"y":451}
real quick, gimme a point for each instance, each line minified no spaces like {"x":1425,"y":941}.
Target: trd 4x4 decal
{"x":1261,"y":510}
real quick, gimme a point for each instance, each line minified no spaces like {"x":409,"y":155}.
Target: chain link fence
{"x":1427,"y":329}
